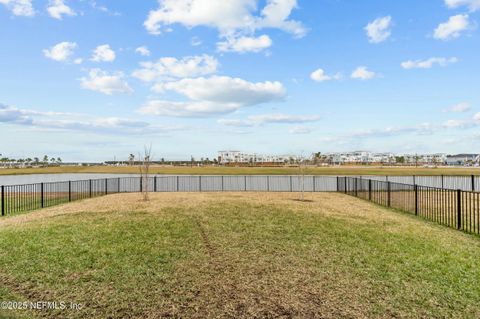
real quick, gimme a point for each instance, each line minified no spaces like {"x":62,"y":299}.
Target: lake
{"x":39,"y":178}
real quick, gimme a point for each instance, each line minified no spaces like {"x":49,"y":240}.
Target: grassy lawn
{"x":216,"y":170}
{"x":237,"y":255}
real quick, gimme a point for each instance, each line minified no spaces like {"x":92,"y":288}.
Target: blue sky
{"x":90,"y":80}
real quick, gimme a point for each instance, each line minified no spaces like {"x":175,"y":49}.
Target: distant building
{"x":358,"y":157}
{"x":237,"y":157}
{"x":463,"y":160}
{"x":425,"y":159}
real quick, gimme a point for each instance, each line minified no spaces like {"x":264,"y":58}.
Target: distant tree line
{"x":35,"y":161}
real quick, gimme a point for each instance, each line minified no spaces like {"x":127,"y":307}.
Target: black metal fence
{"x":453,"y":208}
{"x":16,"y":199}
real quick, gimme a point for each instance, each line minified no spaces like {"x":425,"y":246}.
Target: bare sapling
{"x":144,"y":167}
{"x":301,"y":167}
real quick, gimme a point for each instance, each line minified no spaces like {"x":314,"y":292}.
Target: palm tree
{"x":59,"y":160}
{"x":45,"y":160}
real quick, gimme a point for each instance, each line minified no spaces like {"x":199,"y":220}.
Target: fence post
{"x":355,"y":186}
{"x":291,"y":184}
{"x":388,"y":198}
{"x":338,"y":184}
{"x":369,"y":189}
{"x":459,"y":209}
{"x":414,"y":180}
{"x":69,"y":191}
{"x":118,"y":185}
{"x":223,"y":183}
{"x":178,"y":183}
{"x":200,"y":183}
{"x":141,"y":184}
{"x":314,"y":183}
{"x":268,"y":183}
{"x":90,"y":188}
{"x":345,"y":183}
{"x":3,"y":200}
{"x":415,"y":188}
{"x":154,"y":184}
{"x":443,"y":182}
{"x":106,"y":186}
{"x":473,"y":183}
{"x":41,"y":195}
{"x":245,"y":182}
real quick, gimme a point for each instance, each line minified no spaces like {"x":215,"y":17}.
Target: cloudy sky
{"x":90,"y":80}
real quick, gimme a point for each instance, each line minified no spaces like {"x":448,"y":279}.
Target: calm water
{"x":39,"y":178}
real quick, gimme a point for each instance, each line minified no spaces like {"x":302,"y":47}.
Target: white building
{"x":360,"y":157}
{"x":231,"y":157}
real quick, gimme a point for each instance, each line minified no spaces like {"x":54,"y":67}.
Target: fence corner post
{"x":415,"y":188}
{"x":389,"y":195}
{"x":3,"y":200}
{"x":41,"y":195}
{"x":459,"y":209}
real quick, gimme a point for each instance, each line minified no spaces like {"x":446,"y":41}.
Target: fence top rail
{"x":330,"y":177}
{"x":409,"y":185}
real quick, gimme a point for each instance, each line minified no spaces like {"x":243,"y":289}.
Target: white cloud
{"x":277,"y":118}
{"x":10,"y":114}
{"x":105,"y":83}
{"x":186,"y":109}
{"x":143,"y":50}
{"x":234,"y":19}
{"x":214,"y":95}
{"x":379,"y":29}
{"x":300,"y":130}
{"x":476,"y":117}
{"x":236,"y":123}
{"x":103,"y":53}
{"x":57,"y":8}
{"x":319,"y":75}
{"x":19,"y":7}
{"x":224,"y":89}
{"x":427,"y":64}
{"x":452,"y":28}
{"x":195,"y":41}
{"x":61,"y":52}
{"x":79,"y":122}
{"x":245,"y":44}
{"x":459,"y":108}
{"x":362,"y":73}
{"x":456,"y":124}
{"x":169,"y":67}
{"x":283,"y":118}
{"x":473,"y":5}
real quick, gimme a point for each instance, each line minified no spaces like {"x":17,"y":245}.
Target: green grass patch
{"x":240,"y":255}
